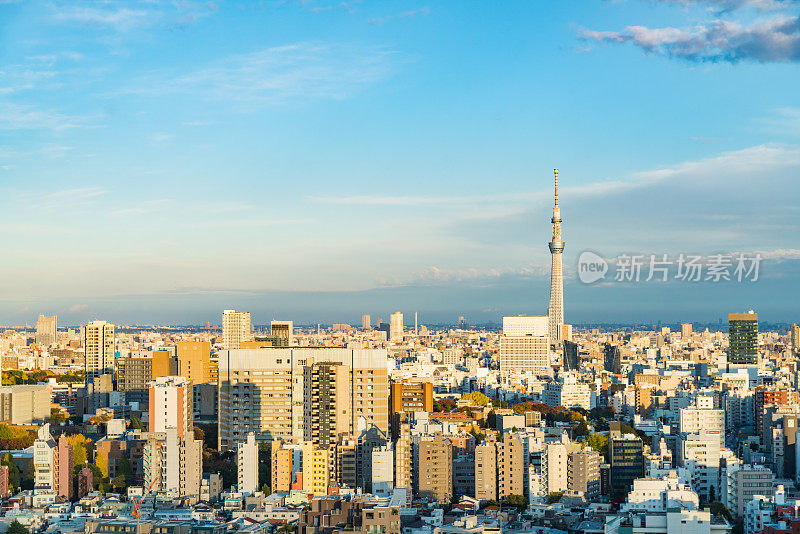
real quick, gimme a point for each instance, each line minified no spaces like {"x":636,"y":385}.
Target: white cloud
{"x":296,"y":72}
{"x":770,"y":41}
{"x":25,"y":117}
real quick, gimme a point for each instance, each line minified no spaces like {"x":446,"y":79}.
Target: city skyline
{"x":162,"y":162}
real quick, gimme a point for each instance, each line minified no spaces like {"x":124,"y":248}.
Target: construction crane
{"x":136,"y":513}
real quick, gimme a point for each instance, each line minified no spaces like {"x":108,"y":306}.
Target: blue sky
{"x":315,"y":160}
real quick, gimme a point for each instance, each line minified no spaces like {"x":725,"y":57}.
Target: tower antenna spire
{"x":555,"y":171}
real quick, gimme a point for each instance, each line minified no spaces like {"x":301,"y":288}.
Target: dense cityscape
{"x":385,"y":427}
{"x":399,"y":267}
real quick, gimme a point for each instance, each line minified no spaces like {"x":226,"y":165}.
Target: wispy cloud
{"x":729,"y":5}
{"x":290,"y":73}
{"x":124,"y":17}
{"x":25,"y":117}
{"x":771,"y":41}
{"x":403,"y":15}
{"x":439,"y":275}
{"x":784,"y":120}
{"x":69,"y":198}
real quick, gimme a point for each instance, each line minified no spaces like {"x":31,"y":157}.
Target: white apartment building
{"x":382,"y":470}
{"x":98,"y":346}
{"x":247,"y":465}
{"x":171,"y":402}
{"x":236,"y":327}
{"x":660,"y":494}
{"x":700,"y":454}
{"x":525,"y":345}
{"x":695,"y":419}
{"x":396,"y":327}
{"x":568,"y":392}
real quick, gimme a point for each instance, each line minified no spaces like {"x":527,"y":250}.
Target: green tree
{"x":17,"y":528}
{"x":580,"y":430}
{"x":119,"y":484}
{"x":57,"y":416}
{"x":266,"y":490}
{"x":598,"y":442}
{"x":516,"y":500}
{"x":264,"y":462}
{"x":479,"y":436}
{"x":136,"y":424}
{"x":718,"y":509}
{"x":13,"y":473}
{"x":554,"y":497}
{"x":491,"y":420}
{"x":124,"y":469}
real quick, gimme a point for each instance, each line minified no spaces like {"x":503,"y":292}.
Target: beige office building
{"x":525,"y":345}
{"x":316,"y":470}
{"x":24,"y":404}
{"x":396,"y":327}
{"x":236,"y":327}
{"x":46,"y":330}
{"x":194,"y":360}
{"x":284,"y":329}
{"x":279,"y":393}
{"x":435,"y":469}
{"x":402,"y":456}
{"x":486,"y":471}
{"x":499,"y":469}
{"x":98,"y":346}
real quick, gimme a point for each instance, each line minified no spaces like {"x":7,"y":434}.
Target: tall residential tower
{"x":556,"y":310}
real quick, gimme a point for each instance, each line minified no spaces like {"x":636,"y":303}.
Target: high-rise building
{"x":46,"y":330}
{"x":696,"y":419}
{"x":583,"y":473}
{"x":612,"y":359}
{"x":64,"y":467}
{"x":287,"y":461}
{"x":486,"y":471}
{"x":382,"y":470}
{"x":165,"y":363}
{"x":499,"y":468}
{"x":435,"y":469}
{"x":247,"y":465}
{"x":316,"y":469}
{"x":570,"y":359}
{"x":45,"y":462}
{"x":556,"y":310}
{"x":173,"y":464}
{"x":794,"y":334}
{"x":743,"y":338}
{"x":396,"y":327}
{"x":270,"y":391}
{"x":402,"y":457}
{"x":236,"y":327}
{"x":194,"y":360}
{"x":283,"y":330}
{"x":366,"y":322}
{"x":171,"y":405}
{"x":134,"y":374}
{"x":98,"y":346}
{"x":686,"y":331}
{"x":525,"y":345}
{"x":626,"y":453}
